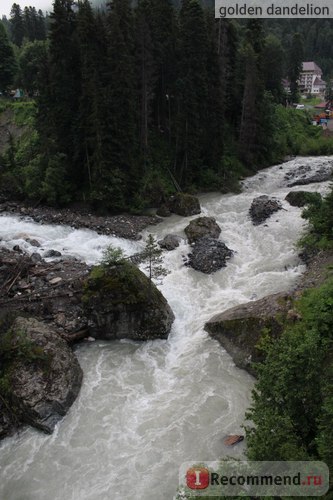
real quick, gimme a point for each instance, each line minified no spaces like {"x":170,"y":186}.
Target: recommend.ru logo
{"x":239,"y":478}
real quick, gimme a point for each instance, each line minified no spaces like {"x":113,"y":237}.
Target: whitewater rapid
{"x":145,"y":408}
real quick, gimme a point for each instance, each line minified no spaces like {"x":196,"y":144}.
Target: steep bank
{"x":243,"y":330}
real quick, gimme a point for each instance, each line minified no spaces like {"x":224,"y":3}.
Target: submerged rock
{"x":241,"y":328}
{"x":121,"y":302}
{"x":184,"y":204}
{"x":209,"y":255}
{"x":322,"y":175}
{"x":202,"y":227}
{"x":301,"y":198}
{"x":52,"y":253}
{"x":170,"y":242}
{"x":262,"y":208}
{"x":41,"y":376}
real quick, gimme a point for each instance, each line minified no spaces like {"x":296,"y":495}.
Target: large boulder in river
{"x":40,"y":376}
{"x":170,"y":242}
{"x":202,"y":227}
{"x":243,"y":329}
{"x":301,"y":198}
{"x":184,"y":204}
{"x":262,"y":208}
{"x":209,"y":255}
{"x":122,"y":303}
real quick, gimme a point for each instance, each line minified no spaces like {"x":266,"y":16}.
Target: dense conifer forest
{"x":131,"y":104}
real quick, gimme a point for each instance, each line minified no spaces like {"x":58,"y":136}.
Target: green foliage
{"x":31,"y":60}
{"x":292,"y":399}
{"x":7,"y":60}
{"x":152,"y":256}
{"x":24,"y":113}
{"x":112,"y":256}
{"x":320,"y":217}
{"x":119,"y":284}
{"x":15,"y":347}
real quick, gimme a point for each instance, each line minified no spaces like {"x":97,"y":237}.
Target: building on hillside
{"x":310,"y":80}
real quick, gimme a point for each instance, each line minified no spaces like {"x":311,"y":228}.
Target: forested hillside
{"x":133,"y":104}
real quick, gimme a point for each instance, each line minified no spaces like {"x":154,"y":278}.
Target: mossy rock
{"x":302,"y":198}
{"x":202,"y":227}
{"x":184,"y":204}
{"x":40,"y":376}
{"x":121,"y":302}
{"x":243,"y":330}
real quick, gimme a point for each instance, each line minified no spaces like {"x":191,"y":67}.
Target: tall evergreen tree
{"x":146,"y":72}
{"x":64,"y":82}
{"x":249,"y":119}
{"x":89,"y":147}
{"x":273,"y":67}
{"x":41,"y":26}
{"x":227,"y":46}
{"x":32,"y":58}
{"x":17,"y":25}
{"x":163,"y":32}
{"x":192,"y":92}
{"x":251,"y":128}
{"x":295,"y":58}
{"x":122,"y":173}
{"x":7,"y":60}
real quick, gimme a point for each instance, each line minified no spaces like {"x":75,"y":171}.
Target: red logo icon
{"x":197,"y":478}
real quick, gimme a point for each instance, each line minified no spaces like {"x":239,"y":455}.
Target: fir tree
{"x":7,"y":60}
{"x":192,"y":92}
{"x":121,"y":170}
{"x":146,"y":72}
{"x":17,"y":25}
{"x":64,"y":83}
{"x":295,"y":58}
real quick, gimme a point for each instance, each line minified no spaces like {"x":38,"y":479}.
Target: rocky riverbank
{"x":242,"y":329}
{"x":44,"y":306}
{"x":123,"y":226}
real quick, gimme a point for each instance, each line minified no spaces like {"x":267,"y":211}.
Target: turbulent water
{"x":144,"y":408}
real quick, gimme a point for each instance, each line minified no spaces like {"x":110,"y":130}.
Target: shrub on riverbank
{"x":292,"y":407}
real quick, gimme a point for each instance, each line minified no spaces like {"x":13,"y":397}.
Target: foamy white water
{"x":144,"y":408}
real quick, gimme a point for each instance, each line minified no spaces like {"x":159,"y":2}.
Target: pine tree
{"x":41,"y":26}
{"x":17,"y":25}
{"x":192,"y":92}
{"x":152,"y":256}
{"x":273,"y":67}
{"x":295,"y":58}
{"x":32,"y":58}
{"x":64,"y":83}
{"x":122,"y":170}
{"x":7,"y":60}
{"x":227,"y":45}
{"x":249,"y":118}
{"x":253,"y":126}
{"x":146,"y":72}
{"x":163,"y":32}
{"x":89,"y":148}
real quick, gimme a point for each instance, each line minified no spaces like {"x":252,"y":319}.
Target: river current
{"x":145,"y":408}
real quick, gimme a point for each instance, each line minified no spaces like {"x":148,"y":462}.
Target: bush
{"x":292,"y":402}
